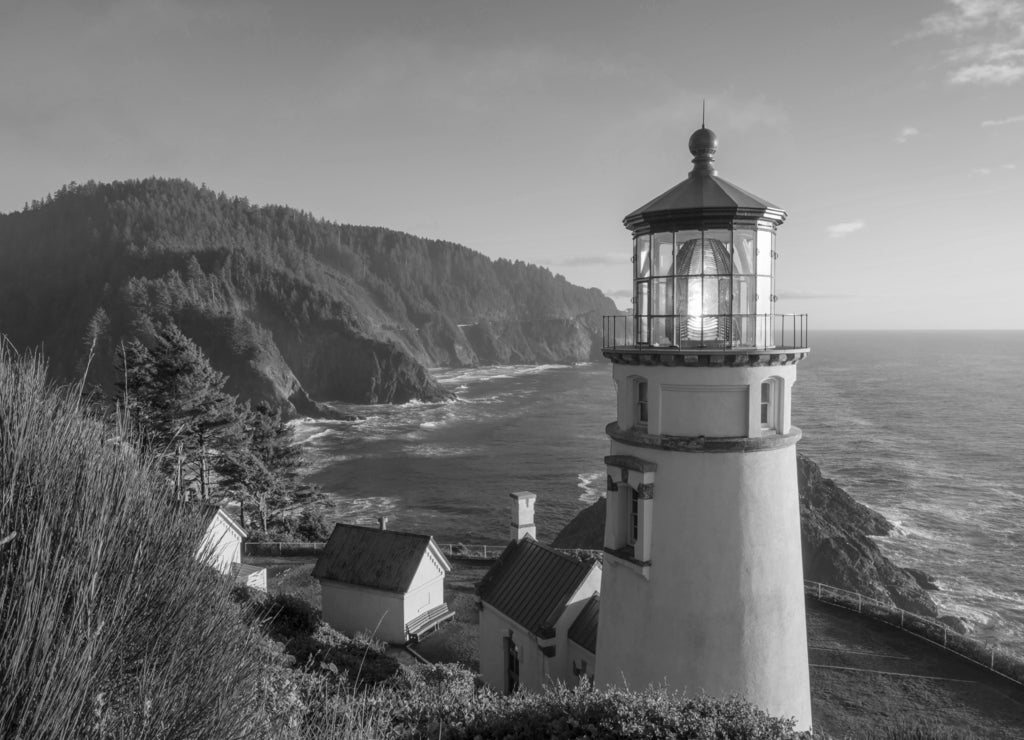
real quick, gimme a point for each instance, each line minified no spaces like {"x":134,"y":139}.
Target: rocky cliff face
{"x":836,"y":534}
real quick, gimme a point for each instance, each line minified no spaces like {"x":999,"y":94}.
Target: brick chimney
{"x":522,"y":515}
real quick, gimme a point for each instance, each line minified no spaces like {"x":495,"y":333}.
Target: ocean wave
{"x":590,"y":485}
{"x":465,"y":376}
{"x":320,"y":435}
{"x":436,"y":450}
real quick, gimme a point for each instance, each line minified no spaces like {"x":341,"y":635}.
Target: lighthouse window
{"x":641,"y":403}
{"x":634,"y":516}
{"x":769,"y":404}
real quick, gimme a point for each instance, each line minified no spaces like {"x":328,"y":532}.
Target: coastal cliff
{"x":294,"y":310}
{"x":836,"y":534}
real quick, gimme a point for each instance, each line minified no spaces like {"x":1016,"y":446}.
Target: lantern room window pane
{"x":662,"y":308}
{"x":743,"y":290}
{"x":713,"y":295}
{"x":719,"y":241}
{"x":764,"y":294}
{"x":661,"y":297}
{"x":765,"y":245}
{"x":643,"y":256}
{"x":664,"y":253}
{"x":743,"y":262}
{"x":642,"y":309}
{"x":688,"y":252}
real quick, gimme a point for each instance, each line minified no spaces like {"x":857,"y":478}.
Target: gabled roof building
{"x":389,"y":584}
{"x":538,"y":617}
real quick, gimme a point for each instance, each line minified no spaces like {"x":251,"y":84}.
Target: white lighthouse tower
{"x":702,"y":587}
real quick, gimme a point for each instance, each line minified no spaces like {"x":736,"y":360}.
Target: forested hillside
{"x":290,"y":307}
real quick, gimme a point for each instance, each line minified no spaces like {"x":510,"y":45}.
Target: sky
{"x":891,"y":133}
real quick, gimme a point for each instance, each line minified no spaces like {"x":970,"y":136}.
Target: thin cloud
{"x":983,"y":171}
{"x":1003,"y":121}
{"x":837,"y":231}
{"x":988,"y":74}
{"x":984,"y":40}
{"x":907,"y":134}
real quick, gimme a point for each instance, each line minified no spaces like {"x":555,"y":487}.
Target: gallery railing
{"x":680,"y":332}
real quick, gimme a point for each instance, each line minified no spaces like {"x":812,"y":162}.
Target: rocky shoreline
{"x":836,"y":538}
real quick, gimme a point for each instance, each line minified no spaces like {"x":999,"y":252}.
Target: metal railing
{"x":987,"y":656}
{"x":680,"y":332}
{"x":491,"y":552}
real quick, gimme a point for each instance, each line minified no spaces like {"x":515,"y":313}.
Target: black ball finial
{"x":703,"y":142}
{"x":703,"y":145}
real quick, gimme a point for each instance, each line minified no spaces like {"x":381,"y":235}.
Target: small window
{"x":641,"y":403}
{"x":766,"y":401}
{"x":634,"y":516}
{"x":769,"y":404}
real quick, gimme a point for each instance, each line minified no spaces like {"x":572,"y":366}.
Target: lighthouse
{"x":702,"y":585}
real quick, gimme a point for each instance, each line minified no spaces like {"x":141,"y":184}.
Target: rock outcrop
{"x":836,"y":537}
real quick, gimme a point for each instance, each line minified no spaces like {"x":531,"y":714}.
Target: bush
{"x":291,"y":616}
{"x":442,"y":701}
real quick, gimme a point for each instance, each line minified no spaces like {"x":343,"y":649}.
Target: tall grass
{"x":109,"y":626}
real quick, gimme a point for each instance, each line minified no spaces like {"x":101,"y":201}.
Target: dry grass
{"x":109,"y":627}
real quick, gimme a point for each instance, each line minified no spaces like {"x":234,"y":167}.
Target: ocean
{"x":925,"y":427}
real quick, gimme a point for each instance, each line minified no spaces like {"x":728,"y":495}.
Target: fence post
{"x":945,"y":634}
{"x":901,"y":618}
{"x":819,"y":592}
{"x":992,"y":660}
{"x":859,"y":603}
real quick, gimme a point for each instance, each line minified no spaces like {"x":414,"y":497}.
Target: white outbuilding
{"x":389,"y":584}
{"x":221,"y":548}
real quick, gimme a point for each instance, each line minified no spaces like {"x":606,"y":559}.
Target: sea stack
{"x":702,"y":586}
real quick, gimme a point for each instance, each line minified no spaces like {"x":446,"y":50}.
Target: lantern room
{"x":704,"y":267}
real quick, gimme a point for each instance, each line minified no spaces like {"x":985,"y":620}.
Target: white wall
{"x":350,"y":609}
{"x":695,"y":401}
{"x":723,"y":609}
{"x":221,"y":545}
{"x":576,"y":655}
{"x":494,"y":627}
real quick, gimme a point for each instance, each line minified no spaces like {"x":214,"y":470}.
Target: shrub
{"x":291,"y":616}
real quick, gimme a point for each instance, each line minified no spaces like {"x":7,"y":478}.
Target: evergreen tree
{"x":265,"y":475}
{"x":180,"y":405}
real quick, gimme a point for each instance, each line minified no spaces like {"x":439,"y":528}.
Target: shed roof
{"x":210,"y":512}
{"x":375,"y":558}
{"x":583,"y":630}
{"x":531,"y":584}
